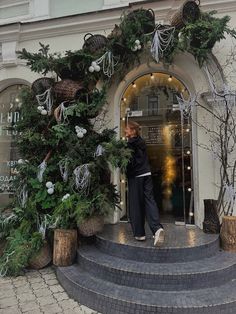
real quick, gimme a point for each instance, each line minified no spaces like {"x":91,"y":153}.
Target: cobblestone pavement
{"x":37,"y":292}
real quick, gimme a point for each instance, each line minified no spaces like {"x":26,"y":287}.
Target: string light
{"x":123,"y":119}
{"x":188,"y":152}
{"x":191,"y":214}
{"x":121,"y":203}
{"x":170,"y":78}
{"x":152,"y":76}
{"x":189,"y":168}
{"x":134,"y":85}
{"x":189,"y":189}
{"x":187,"y":130}
{"x":123,"y":138}
{"x":122,"y":181}
{"x":17,"y":99}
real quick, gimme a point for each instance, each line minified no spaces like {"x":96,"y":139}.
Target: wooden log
{"x":228,"y":233}
{"x":211,"y":223}
{"x":64,"y":248}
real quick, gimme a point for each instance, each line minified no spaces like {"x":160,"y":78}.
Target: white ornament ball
{"x":139,"y":47}
{"x":44,"y":112}
{"x":77,"y":127}
{"x":97,"y":68}
{"x":180,"y":34}
{"x":40,"y":108}
{"x":84,"y":131}
{"x":20,"y":161}
{"x":94,"y":64}
{"x":137,"y":42}
{"x":80,"y":134}
{"x":91,"y":69}
{"x":134,"y":48}
{"x":50,"y":191}
{"x":49,"y":184}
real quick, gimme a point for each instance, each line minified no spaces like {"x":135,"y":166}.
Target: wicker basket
{"x":94,"y":43}
{"x":41,"y":85}
{"x":148,"y":22}
{"x":91,"y":226}
{"x":42,"y":258}
{"x":188,"y":12}
{"x":66,"y":90}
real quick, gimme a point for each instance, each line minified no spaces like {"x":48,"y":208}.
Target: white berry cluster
{"x":94,"y":67}
{"x":21,"y":161}
{"x":42,"y":110}
{"x":137,"y":45}
{"x":50,"y":187}
{"x":80,"y":131}
{"x":65,"y":197}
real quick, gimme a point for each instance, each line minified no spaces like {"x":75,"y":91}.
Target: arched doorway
{"x":151,"y":100}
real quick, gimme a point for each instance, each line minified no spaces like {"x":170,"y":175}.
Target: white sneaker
{"x":143,"y":238}
{"x":159,"y":237}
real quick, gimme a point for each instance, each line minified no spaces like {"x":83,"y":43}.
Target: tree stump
{"x":228,"y":233}
{"x":64,"y":248}
{"x":211,"y":223}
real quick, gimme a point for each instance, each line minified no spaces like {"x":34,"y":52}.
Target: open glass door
{"x":152,"y":102}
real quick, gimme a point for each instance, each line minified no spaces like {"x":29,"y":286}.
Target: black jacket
{"x":138,"y":163}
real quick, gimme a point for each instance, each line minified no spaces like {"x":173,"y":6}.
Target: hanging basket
{"x":228,"y":233}
{"x":42,"y":258}
{"x":91,"y":226}
{"x":94,"y":43}
{"x":67,"y":90}
{"x":145,"y":17}
{"x":188,"y":12}
{"x":41,"y":85}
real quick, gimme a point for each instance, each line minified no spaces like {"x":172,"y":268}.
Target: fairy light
{"x":121,"y":203}
{"x":188,"y":152}
{"x":187,"y":130}
{"x":17,"y":100}
{"x":152,"y":76}
{"x":123,"y":138}
{"x":123,"y":119}
{"x":189,"y":189}
{"x":122,"y":181}
{"x":189,"y":168}
{"x":134,"y":84}
{"x":170,"y":78}
{"x":191,"y":214}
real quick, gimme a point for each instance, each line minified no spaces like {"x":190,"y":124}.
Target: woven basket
{"x":66,"y":90}
{"x":41,"y":85}
{"x":188,"y":12}
{"x":94,"y":43}
{"x":91,"y":226}
{"x":148,"y":22}
{"x":42,"y":258}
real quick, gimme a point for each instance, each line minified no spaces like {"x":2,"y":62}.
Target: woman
{"x":141,"y":199}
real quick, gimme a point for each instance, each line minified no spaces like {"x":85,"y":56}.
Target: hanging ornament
{"x":49,"y":184}
{"x":45,"y":100}
{"x":107,"y":62}
{"x":63,"y":166}
{"x":162,"y":39}
{"x":82,"y":178}
{"x":80,"y":131}
{"x":23,"y":196}
{"x":99,"y":151}
{"x":42,"y":167}
{"x":137,"y":45}
{"x":50,"y":191}
{"x":44,"y":112}
{"x":65,"y":197}
{"x":21,"y":161}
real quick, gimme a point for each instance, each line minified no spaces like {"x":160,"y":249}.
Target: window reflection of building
{"x":9,"y":115}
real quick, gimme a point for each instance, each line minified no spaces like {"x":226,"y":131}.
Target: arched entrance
{"x":151,"y":100}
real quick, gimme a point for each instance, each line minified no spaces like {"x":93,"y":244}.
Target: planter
{"x":67,"y":90}
{"x":94,"y":43}
{"x":91,"y":226}
{"x":228,"y":233}
{"x":65,"y":246}
{"x":211,"y":223}
{"x":188,"y":12}
{"x":42,"y":258}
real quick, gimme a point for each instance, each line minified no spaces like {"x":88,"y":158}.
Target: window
{"x":152,"y":105}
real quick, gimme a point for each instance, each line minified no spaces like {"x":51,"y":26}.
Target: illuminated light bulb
{"x":123,"y":138}
{"x":134,"y":85}
{"x":187,"y":130}
{"x":189,"y":189}
{"x":122,"y":181}
{"x":183,"y":90}
{"x":121,"y":203}
{"x":188,"y":152}
{"x":189,"y":168}
{"x":170,"y":78}
{"x":123,"y":119}
{"x":17,"y":99}
{"x":191,"y":214}
{"x":152,"y":76}
{"x":124,"y":99}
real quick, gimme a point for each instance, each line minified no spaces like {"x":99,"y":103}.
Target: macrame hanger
{"x":45,"y":99}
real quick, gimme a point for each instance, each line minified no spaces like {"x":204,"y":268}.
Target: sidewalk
{"x":37,"y":292}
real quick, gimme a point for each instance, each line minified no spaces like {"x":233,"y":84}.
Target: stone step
{"x":207,"y":272}
{"x":107,"y":297}
{"x":180,"y":244}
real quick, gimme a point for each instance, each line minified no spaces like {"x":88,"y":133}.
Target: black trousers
{"x":141,"y":204}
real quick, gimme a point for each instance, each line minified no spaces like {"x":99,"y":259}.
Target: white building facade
{"x":62,"y":25}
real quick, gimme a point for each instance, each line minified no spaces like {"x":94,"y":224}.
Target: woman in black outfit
{"x":141,"y":199}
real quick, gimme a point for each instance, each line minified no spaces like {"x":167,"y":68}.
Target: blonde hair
{"x":134,"y":126}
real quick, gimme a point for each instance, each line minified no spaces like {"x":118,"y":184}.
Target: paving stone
{"x":7,"y":302}
{"x":61,"y":296}
{"x":32,"y":305}
{"x":46,"y":300}
{"x":86,"y":310}
{"x":56,"y":288}
{"x":49,"y":276}
{"x":39,"y":285}
{"x":35,"y":311}
{"x":23,"y":289}
{"x":52,"y":282}
{"x":26,"y":297}
{"x":42,"y":292}
{"x":51,"y":309}
{"x":11,"y":310}
{"x":68,"y":304}
{"x":6,"y":293}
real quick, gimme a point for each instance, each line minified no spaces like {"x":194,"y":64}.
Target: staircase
{"x":189,"y":274}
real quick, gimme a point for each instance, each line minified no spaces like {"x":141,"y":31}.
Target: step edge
{"x":144,"y":304}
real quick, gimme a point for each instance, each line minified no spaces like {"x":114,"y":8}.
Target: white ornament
{"x":20,"y":161}
{"x":49,"y":184}
{"x":94,"y":64}
{"x":135,"y":48}
{"x":65,"y":197}
{"x":91,"y":69}
{"x":80,"y":134}
{"x":97,"y":68}
{"x":40,"y":108}
{"x":84,"y":131}
{"x":50,"y":191}
{"x":44,"y":112}
{"x":139,"y":47}
{"x":137,"y":42}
